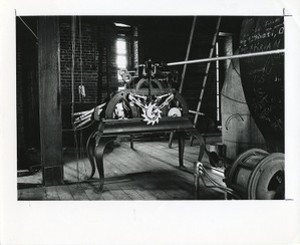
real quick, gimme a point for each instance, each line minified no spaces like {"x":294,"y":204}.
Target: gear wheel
{"x":151,"y":114}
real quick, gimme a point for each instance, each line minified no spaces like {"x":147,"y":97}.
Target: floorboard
{"x":51,"y":193}
{"x":150,"y":171}
{"x":63,"y":192}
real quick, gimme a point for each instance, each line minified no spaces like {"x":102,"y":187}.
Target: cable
{"x":28,"y":28}
{"x":216,"y":185}
{"x":73,"y":94}
{"x":81,"y":84}
{"x":237,"y":72}
{"x":224,"y":189}
{"x":238,"y":101}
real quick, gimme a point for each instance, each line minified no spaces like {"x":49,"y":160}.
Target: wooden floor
{"x":149,"y":172}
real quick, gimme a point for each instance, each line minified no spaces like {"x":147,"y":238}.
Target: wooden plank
{"x":51,"y":193}
{"x":64,"y":192}
{"x":77,"y":192}
{"x":133,"y":160}
{"x":130,"y":162}
{"x":174,"y":153}
{"x":178,"y":193}
{"x":19,"y":194}
{"x":32,"y":194}
{"x":49,"y":100}
{"x":142,"y":152}
{"x":129,"y":165}
{"x":117,"y":192}
{"x":155,"y":191}
{"x":109,"y":161}
{"x":89,"y":189}
{"x":160,"y":156}
{"x":145,"y":194}
{"x":132,"y":193}
{"x":107,"y":195}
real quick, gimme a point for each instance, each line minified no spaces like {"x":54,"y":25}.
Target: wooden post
{"x":49,"y":100}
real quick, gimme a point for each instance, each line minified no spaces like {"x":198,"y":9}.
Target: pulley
{"x":174,"y":112}
{"x":256,"y":174}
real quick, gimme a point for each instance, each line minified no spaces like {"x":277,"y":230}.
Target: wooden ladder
{"x":197,"y":112}
{"x":204,"y":81}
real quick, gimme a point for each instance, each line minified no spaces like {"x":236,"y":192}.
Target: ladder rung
{"x":196,"y":112}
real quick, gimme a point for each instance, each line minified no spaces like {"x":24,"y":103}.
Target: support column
{"x":49,"y":100}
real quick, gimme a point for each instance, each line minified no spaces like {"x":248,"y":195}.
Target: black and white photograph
{"x":150,"y":107}
{"x":134,"y":122}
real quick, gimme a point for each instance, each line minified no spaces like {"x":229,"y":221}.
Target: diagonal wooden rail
{"x":207,"y":70}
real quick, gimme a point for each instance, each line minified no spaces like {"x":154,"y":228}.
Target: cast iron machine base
{"x":108,"y":131}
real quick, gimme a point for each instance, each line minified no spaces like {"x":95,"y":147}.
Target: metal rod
{"x":83,"y":112}
{"x":230,"y":57}
{"x":83,"y":123}
{"x":217,"y":84}
{"x":80,"y":119}
{"x":80,"y":56}
{"x":73,"y":36}
{"x":195,"y":112}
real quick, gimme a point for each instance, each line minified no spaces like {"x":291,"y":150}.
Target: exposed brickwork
{"x":20,"y":107}
{"x":90,"y":62}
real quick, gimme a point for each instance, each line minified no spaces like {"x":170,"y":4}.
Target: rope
{"x":72,"y":88}
{"x":215,"y":185}
{"x":80,"y":95}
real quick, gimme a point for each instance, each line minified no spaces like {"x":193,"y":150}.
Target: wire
{"x":234,"y":67}
{"x":238,"y":101}
{"x":77,"y":155}
{"x":73,"y":63}
{"x":28,"y":28}
{"x":224,"y":189}
{"x":81,"y":84}
{"x":216,"y":185}
{"x":73,"y":94}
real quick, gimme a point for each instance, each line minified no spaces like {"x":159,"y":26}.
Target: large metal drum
{"x":263,"y":76}
{"x":239,"y":130}
{"x":256,"y":174}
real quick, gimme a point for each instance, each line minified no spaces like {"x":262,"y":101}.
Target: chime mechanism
{"x":148,"y":95}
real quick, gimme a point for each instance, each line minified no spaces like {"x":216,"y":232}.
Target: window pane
{"x":121,"y":46}
{"x":121,"y":62}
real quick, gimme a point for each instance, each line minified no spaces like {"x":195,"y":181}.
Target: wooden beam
{"x":49,"y":100}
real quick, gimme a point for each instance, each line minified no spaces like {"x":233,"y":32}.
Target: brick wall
{"x":98,"y":73}
{"x":20,"y":107}
{"x":88,"y":73}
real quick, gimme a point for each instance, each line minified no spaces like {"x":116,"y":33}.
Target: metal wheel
{"x":258,"y":153}
{"x":267,"y":179}
{"x":121,"y":98}
{"x":143,"y":83}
